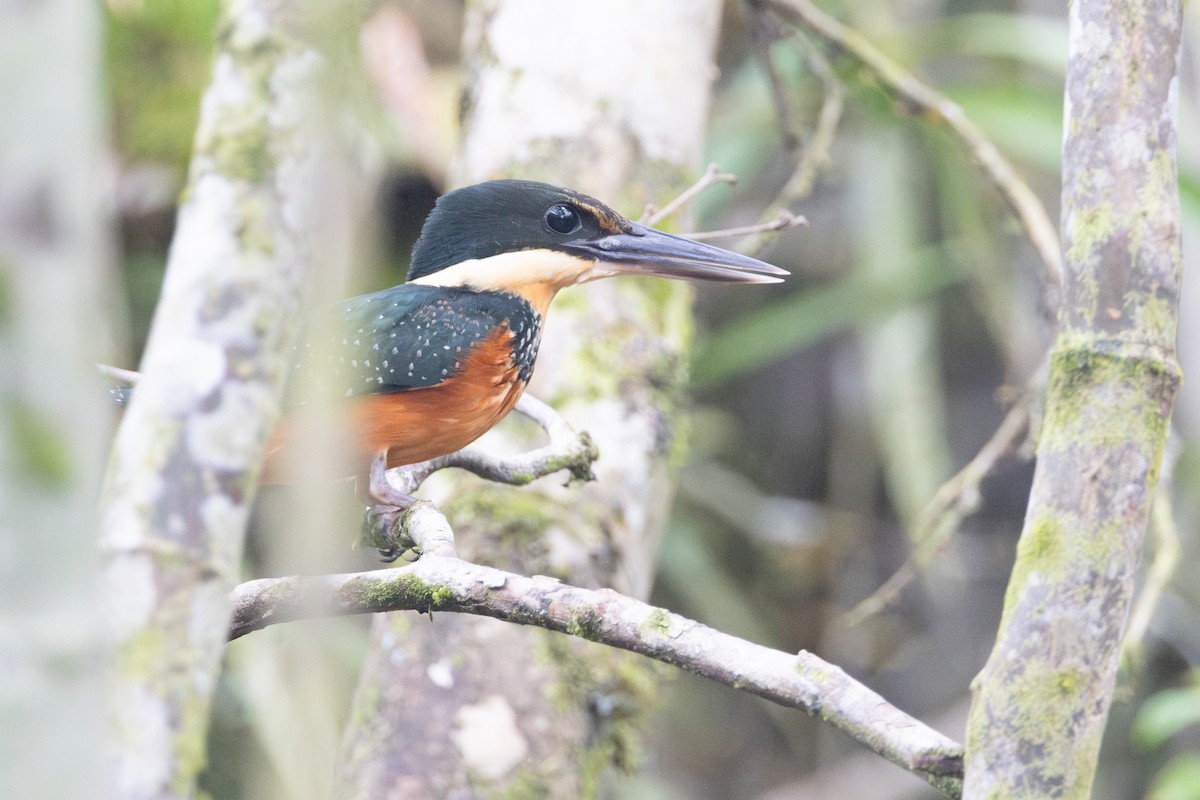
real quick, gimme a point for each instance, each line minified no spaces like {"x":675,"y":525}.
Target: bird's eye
{"x":562,"y":218}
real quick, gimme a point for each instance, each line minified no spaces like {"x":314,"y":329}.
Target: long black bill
{"x":645,"y":251}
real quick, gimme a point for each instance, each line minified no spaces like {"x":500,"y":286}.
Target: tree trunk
{"x":610,"y":98}
{"x":185,"y":463}
{"x":55,"y":284}
{"x":1042,"y":700}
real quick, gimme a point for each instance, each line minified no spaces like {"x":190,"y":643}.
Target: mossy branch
{"x":1042,"y":701}
{"x":184,"y":465}
{"x":439,"y":582}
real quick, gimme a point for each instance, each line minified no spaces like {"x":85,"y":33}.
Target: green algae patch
{"x":1100,"y":400}
{"x":1045,"y":700}
{"x":1042,"y":541}
{"x":817,"y":674}
{"x":140,"y":655}
{"x":586,"y":624}
{"x":404,"y":589}
{"x":528,"y":783}
{"x":190,"y":744}
{"x":656,"y":623}
{"x":244,"y":154}
{"x":1090,"y":231}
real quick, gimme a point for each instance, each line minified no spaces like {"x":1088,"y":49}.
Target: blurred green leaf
{"x":798,"y":321}
{"x":1165,"y":714}
{"x":1024,"y":123}
{"x":1178,"y":780}
{"x":1189,"y":195}
{"x":158,"y":59}
{"x":1035,"y":40}
{"x":43,"y":448}
{"x":898,"y":356}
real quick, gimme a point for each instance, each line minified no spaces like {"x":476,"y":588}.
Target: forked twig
{"x":954,"y":501}
{"x":815,"y":154}
{"x":783,"y":220}
{"x":566,"y":450}
{"x":935,"y":106}
{"x":575,"y":452}
{"x":711,"y":175}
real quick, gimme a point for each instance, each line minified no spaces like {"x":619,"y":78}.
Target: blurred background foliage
{"x":827,"y":411}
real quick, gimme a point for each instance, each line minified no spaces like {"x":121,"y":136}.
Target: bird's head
{"x":534,"y":239}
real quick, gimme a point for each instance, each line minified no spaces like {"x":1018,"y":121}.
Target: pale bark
{"x":1042,"y":700}
{"x":55,"y":286}
{"x":443,"y":583}
{"x":186,"y":459}
{"x":609,"y":98}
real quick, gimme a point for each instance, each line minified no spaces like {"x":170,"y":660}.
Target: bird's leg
{"x":380,"y":489}
{"x":386,"y":505}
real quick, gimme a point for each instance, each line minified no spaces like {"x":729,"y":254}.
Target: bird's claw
{"x":383,"y":528}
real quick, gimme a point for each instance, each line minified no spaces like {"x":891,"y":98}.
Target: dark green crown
{"x":504,"y":216}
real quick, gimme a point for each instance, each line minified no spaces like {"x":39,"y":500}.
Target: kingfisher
{"x":430,"y":365}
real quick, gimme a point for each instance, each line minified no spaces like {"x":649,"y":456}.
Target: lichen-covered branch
{"x":444,"y":583}
{"x":440,"y":581}
{"x":185,"y":463}
{"x":1042,"y":700}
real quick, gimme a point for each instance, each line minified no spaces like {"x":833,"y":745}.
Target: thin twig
{"x":815,"y":154}
{"x":125,"y":376}
{"x":566,"y":450}
{"x":764,"y":32}
{"x":711,"y":175}
{"x":783,"y":220}
{"x":575,"y":452}
{"x":440,"y":583}
{"x":934,"y":106}
{"x":954,"y":501}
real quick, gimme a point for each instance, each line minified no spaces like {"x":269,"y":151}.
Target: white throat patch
{"x":507,"y":272}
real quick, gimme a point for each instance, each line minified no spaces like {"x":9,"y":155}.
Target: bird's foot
{"x":383,"y":529}
{"x":383,"y":518}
